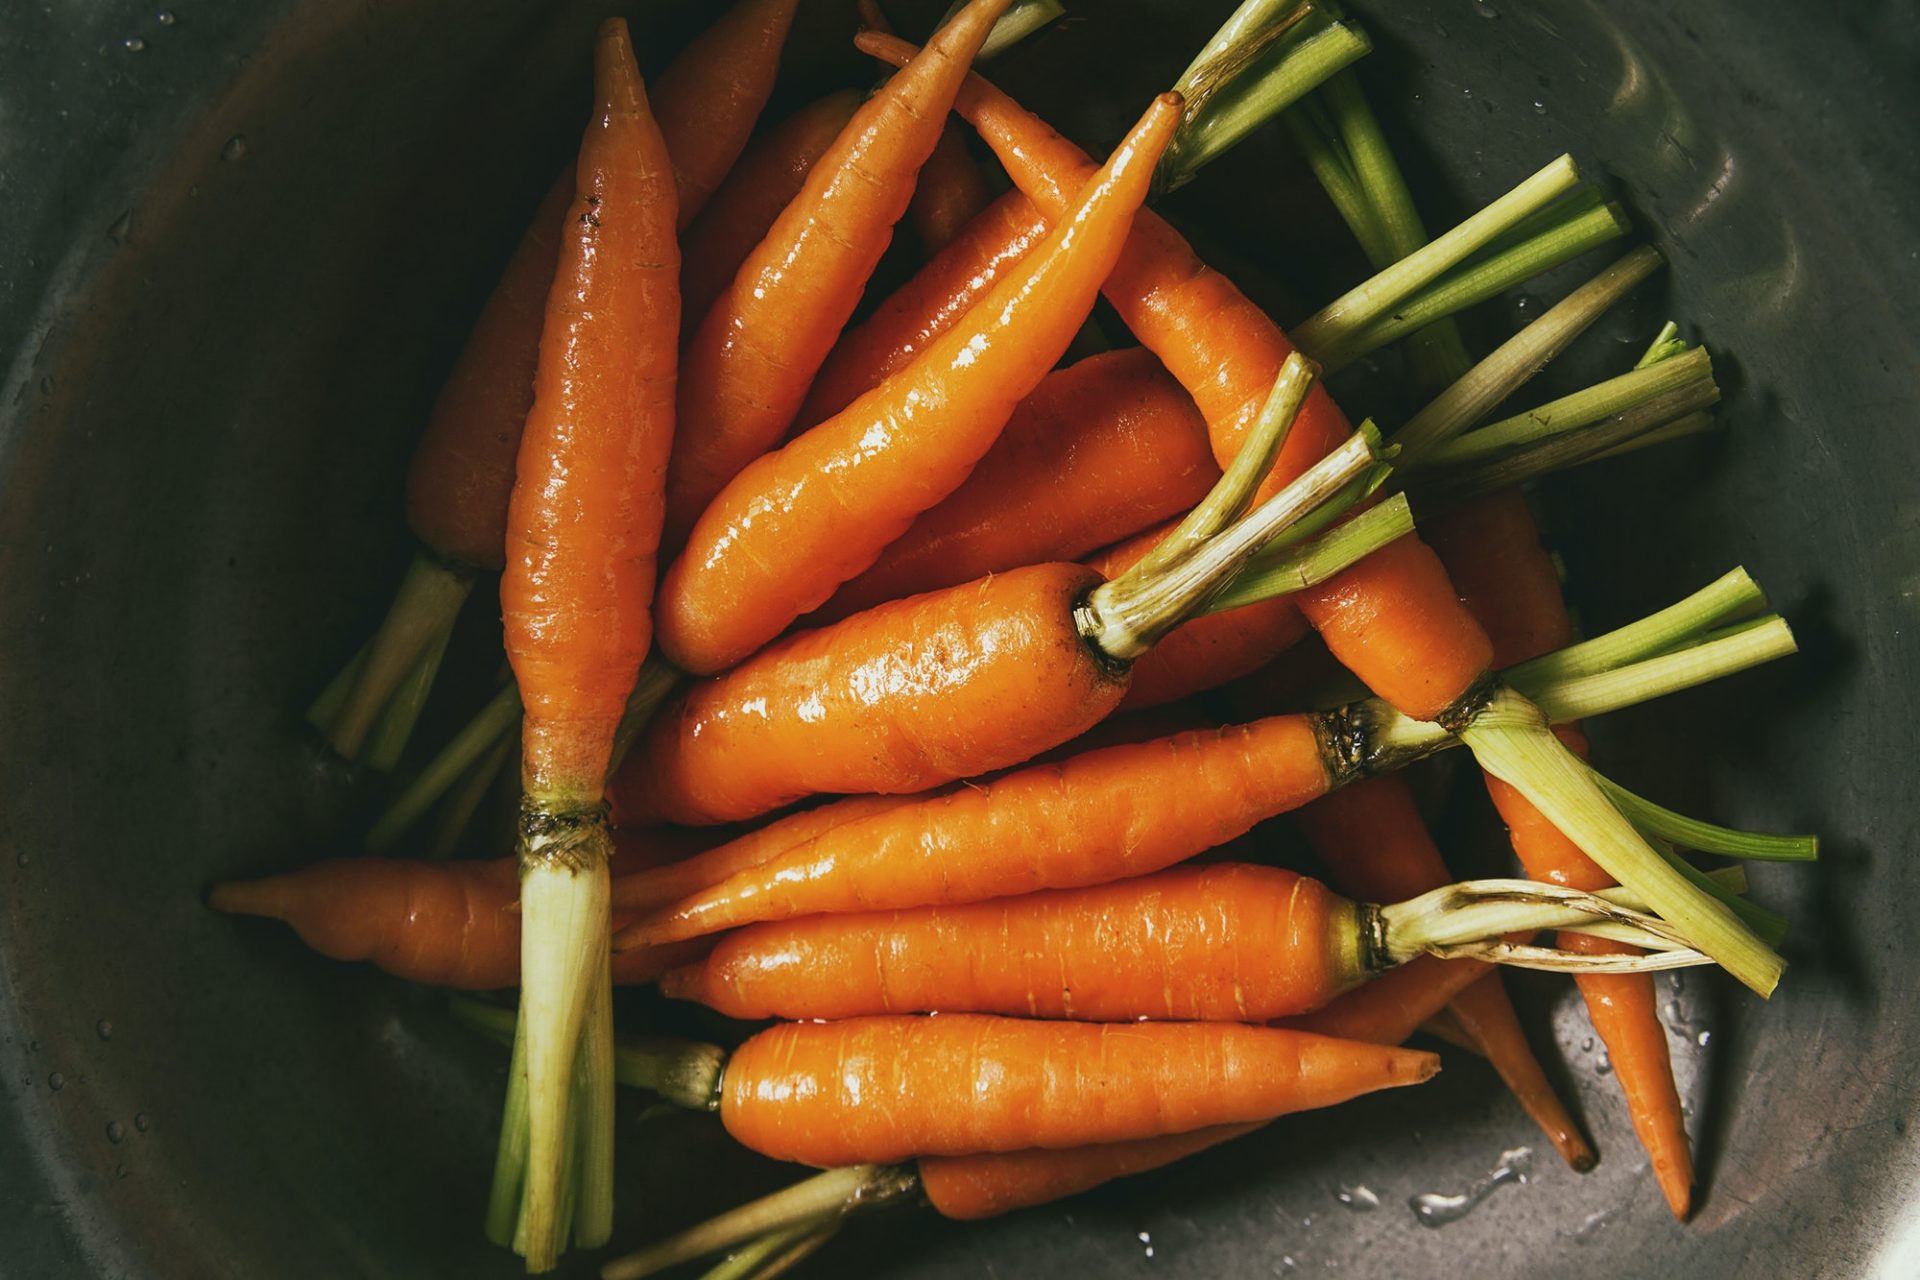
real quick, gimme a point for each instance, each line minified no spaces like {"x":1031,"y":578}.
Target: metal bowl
{"x":242,"y":242}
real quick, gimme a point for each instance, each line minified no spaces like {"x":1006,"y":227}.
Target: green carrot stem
{"x":1770,"y":927}
{"x":1124,"y":619}
{"x":824,"y":1197}
{"x":1601,"y":692}
{"x":594,"y":1115}
{"x":1442,"y":920}
{"x":1475,"y":282}
{"x":1222,"y":113}
{"x":429,"y":596}
{"x":1318,"y":138}
{"x":322,"y":710}
{"x":1248,"y":25}
{"x":1666,"y":345}
{"x":1281,"y":571}
{"x":1520,"y":357}
{"x":510,"y":1155}
{"x":1692,"y":833}
{"x":1022,"y":19}
{"x":1692,"y":425}
{"x":767,"y":1256}
{"x":1731,"y":595}
{"x":496,"y":720}
{"x":796,"y":1252}
{"x":395,"y":726}
{"x":456,"y":812}
{"x":1233,"y":493}
{"x":1371,"y":303}
{"x":1571,"y":412}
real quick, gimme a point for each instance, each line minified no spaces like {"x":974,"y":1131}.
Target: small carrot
{"x":883,"y":1089}
{"x":951,"y":193}
{"x":583,"y":528}
{"x":766,"y":178}
{"x":793,"y":526}
{"x":1373,"y":841}
{"x":969,"y":1188}
{"x":1101,"y":449}
{"x":1223,"y":942}
{"x":441,"y":924}
{"x":749,"y":362}
{"x":708,"y":98}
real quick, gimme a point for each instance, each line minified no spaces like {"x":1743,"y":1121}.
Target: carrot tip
{"x":247,"y":898}
{"x":1678,"y":1190}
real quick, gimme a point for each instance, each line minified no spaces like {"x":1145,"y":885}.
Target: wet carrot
{"x":796,"y":524}
{"x":766,"y":178}
{"x":883,"y":1089}
{"x":750,"y":360}
{"x":708,"y":98}
{"x":951,"y":193}
{"x":968,"y":1188}
{"x":583,"y":528}
{"x":1101,"y":449}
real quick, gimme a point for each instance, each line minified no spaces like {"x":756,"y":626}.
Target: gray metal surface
{"x":238,"y":257}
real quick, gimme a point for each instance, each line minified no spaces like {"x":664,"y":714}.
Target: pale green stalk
{"x":1289,"y":569}
{"x":395,"y":726}
{"x":1692,"y":425}
{"x":1731,"y":595}
{"x":500,"y":717}
{"x":429,"y":597}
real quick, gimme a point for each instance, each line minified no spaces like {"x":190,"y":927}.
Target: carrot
{"x":583,"y":529}
{"x":442,"y":924}
{"x":882,"y":1089}
{"x":1222,"y":942}
{"x":928,"y":305}
{"x":968,"y":1188}
{"x":796,"y":524}
{"x":1372,"y":839}
{"x":766,"y":178}
{"x":1393,"y":619}
{"x":749,"y":362}
{"x":708,"y":98}
{"x":951,"y":193}
{"x":462,"y":470}
{"x":1510,"y":582}
{"x":1100,"y":449}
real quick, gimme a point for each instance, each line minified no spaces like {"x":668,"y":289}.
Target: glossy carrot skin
{"x":462,"y":470}
{"x":766,"y":178}
{"x":1227,"y":942}
{"x":925,"y":307}
{"x":885,"y":1089}
{"x":795,"y":524}
{"x":440,"y":924}
{"x":908,"y":695}
{"x":951,"y":192}
{"x":1100,"y":450}
{"x":1097,"y":817}
{"x":968,"y":1188}
{"x":1492,"y":548}
{"x":750,"y":360}
{"x":584,"y":520}
{"x":708,"y":98}
{"x":1202,"y":653}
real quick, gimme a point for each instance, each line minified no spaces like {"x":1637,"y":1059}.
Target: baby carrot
{"x":1224,"y":942}
{"x":883,"y":1089}
{"x":796,"y":524}
{"x":951,"y":193}
{"x":749,"y":362}
{"x":766,"y":178}
{"x":1373,"y":841}
{"x":708,"y":98}
{"x":583,"y":527}
{"x":1100,"y":450}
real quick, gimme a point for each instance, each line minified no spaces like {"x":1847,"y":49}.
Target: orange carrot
{"x":796,"y":524}
{"x":583,"y":530}
{"x":883,"y":1089}
{"x":708,"y":98}
{"x":442,"y":924}
{"x":932,"y":302}
{"x":766,"y":178}
{"x":1493,"y":549}
{"x":749,"y":362}
{"x":1207,"y":652}
{"x":951,"y":193}
{"x":1100,"y":449}
{"x":1372,"y":839}
{"x":1227,"y":942}
{"x":968,"y":1188}
{"x":1392,"y":1006}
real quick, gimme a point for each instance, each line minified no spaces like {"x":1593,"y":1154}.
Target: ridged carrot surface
{"x":885,"y":1089}
{"x":968,"y":1188}
{"x":794,"y":525}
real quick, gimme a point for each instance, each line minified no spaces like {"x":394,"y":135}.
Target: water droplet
{"x":116,"y":1132}
{"x":1466,"y":93}
{"x":1704,"y":1039}
{"x":165,"y":17}
{"x":1485,"y":9}
{"x":23,"y":857}
{"x":1586,"y":1045}
{"x":1674,"y":1012}
{"x":1593,"y":1224}
{"x":56,"y":1082}
{"x":1359,"y":1198}
{"x":235,"y":148}
{"x":1605,"y":1065}
{"x":1434,"y":1209}
{"x":104,"y":1028}
{"x":141,"y":1122}
{"x":1286,"y":1260}
{"x":1539,"y":107}
{"x":133,"y":44}
{"x":1146,"y":1241}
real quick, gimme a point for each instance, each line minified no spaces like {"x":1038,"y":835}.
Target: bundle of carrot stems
{"x":936,"y":653}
